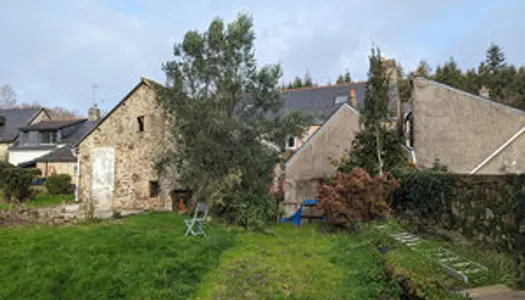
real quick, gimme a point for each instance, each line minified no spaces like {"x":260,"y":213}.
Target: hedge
{"x":488,"y":208}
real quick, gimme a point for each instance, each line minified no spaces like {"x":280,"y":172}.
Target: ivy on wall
{"x":487,"y":208}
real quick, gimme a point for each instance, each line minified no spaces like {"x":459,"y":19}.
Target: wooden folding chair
{"x":195,"y":224}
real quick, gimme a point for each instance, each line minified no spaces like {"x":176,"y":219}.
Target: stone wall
{"x":487,"y":209}
{"x":461,"y":129}
{"x":135,"y":152}
{"x":4,"y":151}
{"x":55,"y":215}
{"x":50,"y":168}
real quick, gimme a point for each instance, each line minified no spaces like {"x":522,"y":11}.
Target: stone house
{"x":117,"y":157}
{"x":10,"y":122}
{"x":468,"y":133}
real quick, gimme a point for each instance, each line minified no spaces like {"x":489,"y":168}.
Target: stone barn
{"x":117,"y":157}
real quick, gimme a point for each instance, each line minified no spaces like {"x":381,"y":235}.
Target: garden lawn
{"x":299,"y":263}
{"x":148,"y":257}
{"x":142,"y":257}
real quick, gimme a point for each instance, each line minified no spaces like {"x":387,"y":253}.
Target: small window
{"x":290,"y":142}
{"x":154,"y":189}
{"x":341,"y":99}
{"x":48,"y":137}
{"x":140,"y":121}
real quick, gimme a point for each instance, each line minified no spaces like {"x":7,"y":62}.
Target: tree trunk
{"x":379,"y":150}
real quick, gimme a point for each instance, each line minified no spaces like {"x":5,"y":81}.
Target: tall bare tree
{"x":7,"y":96}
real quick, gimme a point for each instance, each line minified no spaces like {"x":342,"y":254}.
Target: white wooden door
{"x":103,"y":177}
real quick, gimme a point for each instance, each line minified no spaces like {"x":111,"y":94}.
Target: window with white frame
{"x":291,"y":142}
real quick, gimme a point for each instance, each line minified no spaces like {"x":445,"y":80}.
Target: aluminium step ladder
{"x":453,"y":264}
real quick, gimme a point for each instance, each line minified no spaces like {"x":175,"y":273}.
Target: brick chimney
{"x":94,"y":113}
{"x":484,"y":92}
{"x":353,"y":99}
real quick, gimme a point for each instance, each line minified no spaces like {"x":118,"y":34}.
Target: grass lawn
{"x":148,"y":257}
{"x":144,"y":257}
{"x":298,"y":263}
{"x":40,"y":200}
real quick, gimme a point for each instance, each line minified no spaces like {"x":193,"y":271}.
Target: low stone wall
{"x":55,"y":215}
{"x":58,"y":215}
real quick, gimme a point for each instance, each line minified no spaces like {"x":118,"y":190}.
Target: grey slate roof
{"x":64,"y":154}
{"x":14,"y":119}
{"x":52,"y":125}
{"x":320,"y":101}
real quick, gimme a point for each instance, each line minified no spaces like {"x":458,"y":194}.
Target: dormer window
{"x":341,"y":99}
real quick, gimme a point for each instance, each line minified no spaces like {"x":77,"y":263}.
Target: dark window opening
{"x":140,"y":120}
{"x":290,"y":143}
{"x":154,"y":189}
{"x":181,"y":199}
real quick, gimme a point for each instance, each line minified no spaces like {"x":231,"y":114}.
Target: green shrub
{"x":351,"y":198}
{"x":17,"y":183}
{"x":3,"y":167}
{"x":59,"y":184}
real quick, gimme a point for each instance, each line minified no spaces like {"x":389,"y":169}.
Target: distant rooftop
{"x":52,"y":125}
{"x":15,"y":118}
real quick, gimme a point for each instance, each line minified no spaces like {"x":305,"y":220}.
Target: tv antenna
{"x":94,"y":87}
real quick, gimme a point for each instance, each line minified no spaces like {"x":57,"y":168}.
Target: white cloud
{"x":56,"y":49}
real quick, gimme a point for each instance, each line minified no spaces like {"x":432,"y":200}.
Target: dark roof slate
{"x":320,"y":102}
{"x":14,"y":119}
{"x":52,"y":125}
{"x":64,"y":154}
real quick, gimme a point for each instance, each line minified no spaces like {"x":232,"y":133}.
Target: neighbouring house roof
{"x":14,"y":119}
{"x":143,"y":80}
{"x":320,"y":101}
{"x":64,"y":154}
{"x":51,"y":125}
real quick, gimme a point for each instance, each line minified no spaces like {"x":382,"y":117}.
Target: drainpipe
{"x":77,"y":173}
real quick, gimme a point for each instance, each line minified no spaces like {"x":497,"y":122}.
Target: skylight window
{"x":341,"y":99}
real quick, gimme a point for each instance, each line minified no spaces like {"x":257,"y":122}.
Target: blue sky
{"x":53,"y":51}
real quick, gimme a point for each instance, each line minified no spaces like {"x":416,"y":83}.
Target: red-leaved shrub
{"x":356,"y":197}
